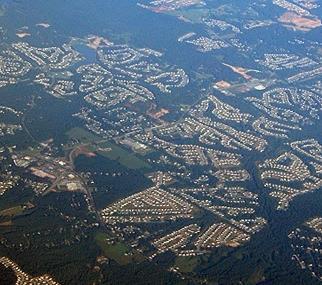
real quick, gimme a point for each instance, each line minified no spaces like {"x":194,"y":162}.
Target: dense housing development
{"x":161,"y":142}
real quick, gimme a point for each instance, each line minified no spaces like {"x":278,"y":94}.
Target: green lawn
{"x":186,"y":264}
{"x":108,"y":149}
{"x":126,"y":158}
{"x":13,"y":211}
{"x":82,"y":135}
{"x":118,"y":251}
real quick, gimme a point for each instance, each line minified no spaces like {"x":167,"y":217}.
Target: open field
{"x":117,"y":251}
{"x":13,"y":211}
{"x":186,"y":264}
{"x":82,"y":135}
{"x":127,"y":159}
{"x":107,"y":149}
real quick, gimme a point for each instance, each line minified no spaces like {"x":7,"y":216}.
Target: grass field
{"x":124,"y":157}
{"x":107,"y":149}
{"x":6,"y":224}
{"x":186,"y":264}
{"x":10,"y":212}
{"x":82,"y":135}
{"x":118,"y":251}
